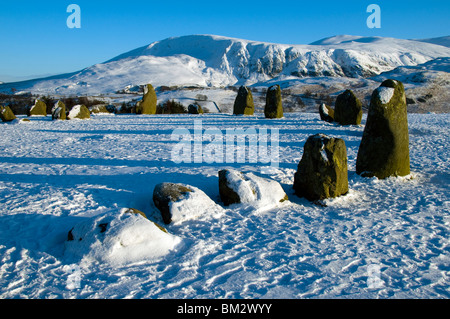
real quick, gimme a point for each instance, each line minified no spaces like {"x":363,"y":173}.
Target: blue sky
{"x":37,"y":41}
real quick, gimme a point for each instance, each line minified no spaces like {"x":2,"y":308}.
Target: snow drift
{"x":119,"y":239}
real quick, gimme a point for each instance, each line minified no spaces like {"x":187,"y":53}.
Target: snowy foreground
{"x":385,"y":239}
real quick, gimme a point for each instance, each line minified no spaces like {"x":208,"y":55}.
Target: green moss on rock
{"x":6,"y":114}
{"x":322,"y":172}
{"x":59,"y":111}
{"x":384,"y":148}
{"x":348,"y":109}
{"x":38,"y":109}
{"x":243,"y":104}
{"x":274,"y":105}
{"x":326,"y":113}
{"x":80,"y":112}
{"x":148,"y":103}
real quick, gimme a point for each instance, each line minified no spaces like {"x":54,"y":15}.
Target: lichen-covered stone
{"x":38,"y":109}
{"x":322,"y":172}
{"x":6,"y":114}
{"x":148,"y":103}
{"x":274,"y":105}
{"x":348,"y":109}
{"x":59,"y":111}
{"x":384,"y":148}
{"x":243,"y":104}
{"x":80,"y":112}
{"x":326,"y":113}
{"x":102,"y":108}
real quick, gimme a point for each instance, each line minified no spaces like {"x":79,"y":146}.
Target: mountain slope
{"x":213,"y":61}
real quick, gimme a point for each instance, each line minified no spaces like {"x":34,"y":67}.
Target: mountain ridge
{"x":214,"y":61}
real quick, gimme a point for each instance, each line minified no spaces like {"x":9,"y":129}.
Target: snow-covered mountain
{"x":213,"y":61}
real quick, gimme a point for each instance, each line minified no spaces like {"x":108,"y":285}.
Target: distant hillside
{"x":215,"y":61}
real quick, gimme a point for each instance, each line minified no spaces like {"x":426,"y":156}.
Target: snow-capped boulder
{"x":348,"y":109}
{"x":247,"y":188}
{"x":274,"y":106}
{"x":148,"y":103}
{"x":326,"y":113}
{"x":322,"y":171}
{"x":119,"y":238}
{"x":6,"y":114}
{"x":179,"y":202}
{"x":243,"y":104}
{"x":38,"y":109}
{"x":59,"y":111}
{"x":80,"y":112}
{"x":384,"y":148}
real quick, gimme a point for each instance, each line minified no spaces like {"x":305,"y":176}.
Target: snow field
{"x":55,"y":175}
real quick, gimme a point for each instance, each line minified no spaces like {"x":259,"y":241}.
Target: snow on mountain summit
{"x":209,"y":60}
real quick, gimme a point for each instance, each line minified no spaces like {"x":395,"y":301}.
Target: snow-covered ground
{"x":385,"y":239}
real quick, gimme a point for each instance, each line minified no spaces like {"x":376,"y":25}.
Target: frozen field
{"x":385,"y":239}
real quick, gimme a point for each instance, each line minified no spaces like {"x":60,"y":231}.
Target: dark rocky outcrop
{"x":195,"y":109}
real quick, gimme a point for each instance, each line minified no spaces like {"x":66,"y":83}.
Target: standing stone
{"x":6,"y":114}
{"x":59,"y":111}
{"x":274,"y":106}
{"x":326,"y":113}
{"x":322,"y":171}
{"x":38,"y":109}
{"x":80,"y":112}
{"x":148,"y":103}
{"x":243,"y":104}
{"x":348,"y":109}
{"x":384,"y":148}
{"x":195,"y":109}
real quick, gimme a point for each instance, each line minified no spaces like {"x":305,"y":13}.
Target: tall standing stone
{"x":326,"y":113}
{"x":274,"y":106}
{"x":148,"y":103}
{"x":348,"y":109}
{"x":38,"y":109}
{"x":384,"y":148}
{"x":59,"y":111}
{"x":322,"y":172}
{"x":243,"y":105}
